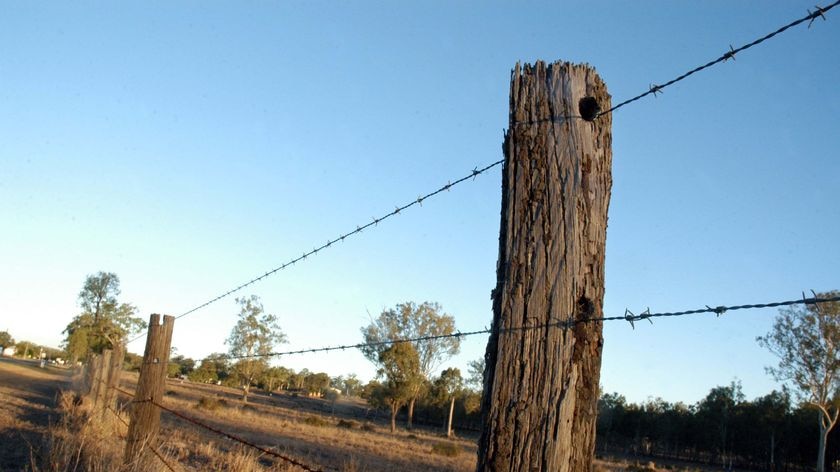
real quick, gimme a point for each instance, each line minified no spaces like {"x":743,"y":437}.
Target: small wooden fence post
{"x":101,"y":379}
{"x":541,"y":383}
{"x":145,"y":416}
{"x":92,"y":375}
{"x":113,"y":376}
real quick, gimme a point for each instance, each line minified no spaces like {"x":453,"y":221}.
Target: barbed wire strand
{"x":819,"y":12}
{"x":220,"y":432}
{"x":565,"y":324}
{"x":375,"y":221}
{"x":152,"y":448}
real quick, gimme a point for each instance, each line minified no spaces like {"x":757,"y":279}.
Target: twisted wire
{"x":819,"y":12}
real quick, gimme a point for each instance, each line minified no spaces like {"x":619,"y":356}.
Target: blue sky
{"x":190,"y":147}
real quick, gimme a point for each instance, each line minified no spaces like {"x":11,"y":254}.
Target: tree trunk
{"x":821,"y":451}
{"x":410,"y":413}
{"x":395,"y":407}
{"x":541,"y":384}
{"x":449,"y":422}
{"x":245,"y":393}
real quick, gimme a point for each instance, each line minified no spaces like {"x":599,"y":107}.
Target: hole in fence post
{"x":589,"y":108}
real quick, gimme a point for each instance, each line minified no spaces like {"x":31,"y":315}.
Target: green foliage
{"x":132,"y":362}
{"x":401,"y":370}
{"x":255,"y":334}
{"x":180,"y":365}
{"x":212,"y":368}
{"x":274,"y":377}
{"x":6,"y":340}
{"x":103,"y":321}
{"x":26,"y":349}
{"x":476,"y":374}
{"x":449,"y":384}
{"x":807,"y":342}
{"x":316,"y":383}
{"x":408,"y":320}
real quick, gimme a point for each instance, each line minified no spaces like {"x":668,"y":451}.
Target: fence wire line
{"x":819,"y":12}
{"x":567,"y":323}
{"x":374,"y":222}
{"x":220,"y":432}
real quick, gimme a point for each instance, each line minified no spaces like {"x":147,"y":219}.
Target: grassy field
{"x":45,"y":426}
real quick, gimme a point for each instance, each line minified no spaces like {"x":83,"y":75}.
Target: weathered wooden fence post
{"x":92,"y":376}
{"x":541,"y":385}
{"x":101,"y":379}
{"x":112,"y":378}
{"x":145,"y":417}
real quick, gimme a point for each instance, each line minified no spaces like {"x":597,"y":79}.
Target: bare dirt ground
{"x":27,"y":408}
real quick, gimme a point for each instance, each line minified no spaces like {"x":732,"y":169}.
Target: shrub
{"x":445,"y":449}
{"x":315,"y":421}
{"x":369,"y":427}
{"x":348,"y":424}
{"x":210,"y":403}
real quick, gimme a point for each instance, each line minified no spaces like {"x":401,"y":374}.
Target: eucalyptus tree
{"x":103,"y":321}
{"x":807,"y":342}
{"x":251,"y":340}
{"x":408,"y":321}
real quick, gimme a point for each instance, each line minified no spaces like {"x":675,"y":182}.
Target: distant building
{"x":9,"y":351}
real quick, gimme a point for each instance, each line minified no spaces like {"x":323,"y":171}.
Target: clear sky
{"x":191,"y":146}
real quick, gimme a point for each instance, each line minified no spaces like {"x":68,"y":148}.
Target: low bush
{"x":347,"y":424}
{"x":446,"y":449}
{"x":210,"y":403}
{"x":315,"y":421}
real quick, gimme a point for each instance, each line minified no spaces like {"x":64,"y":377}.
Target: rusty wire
{"x":654,"y":89}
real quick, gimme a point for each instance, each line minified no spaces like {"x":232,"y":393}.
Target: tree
{"x":408,"y":320}
{"x":274,"y":377}
{"x":401,"y":371}
{"x":103,"y":321}
{"x":807,"y":342}
{"x":476,"y":374}
{"x":251,"y":339}
{"x":212,"y":368}
{"x":351,"y":385}
{"x":448,"y":387}
{"x":6,"y":340}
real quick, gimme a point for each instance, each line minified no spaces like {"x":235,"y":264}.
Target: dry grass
{"x":301,"y":428}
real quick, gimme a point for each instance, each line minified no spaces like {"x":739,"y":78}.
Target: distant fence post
{"x":541,"y":384}
{"x":91,"y":375}
{"x":145,"y":417}
{"x":101,"y":379}
{"x":112,"y":376}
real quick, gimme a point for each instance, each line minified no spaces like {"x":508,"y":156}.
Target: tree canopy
{"x":409,"y":320}
{"x":103,"y":321}
{"x":6,"y":340}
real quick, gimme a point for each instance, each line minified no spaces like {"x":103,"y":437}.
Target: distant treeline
{"x":768,"y":433}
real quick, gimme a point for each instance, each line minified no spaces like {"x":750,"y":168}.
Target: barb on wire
{"x":568,"y":323}
{"x":819,"y":12}
{"x":237,"y":439}
{"x":375,"y":222}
